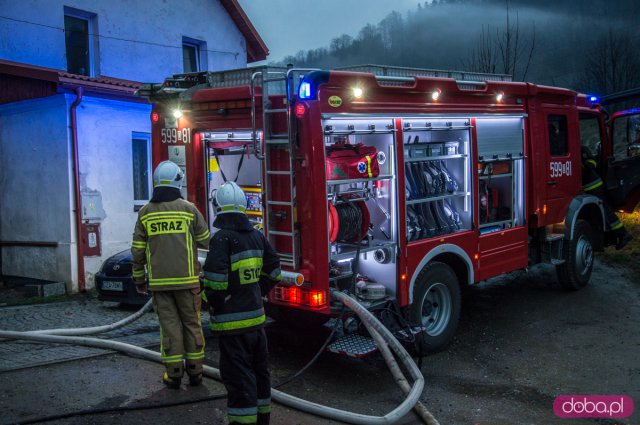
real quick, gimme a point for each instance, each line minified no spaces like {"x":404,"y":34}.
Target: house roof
{"x":256,"y":48}
{"x":63,"y":79}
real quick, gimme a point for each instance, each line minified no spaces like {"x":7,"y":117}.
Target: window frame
{"x":92,"y":38}
{"x":200,"y":48}
{"x":146,"y":139}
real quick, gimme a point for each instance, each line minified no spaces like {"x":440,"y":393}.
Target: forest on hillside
{"x":588,"y":45}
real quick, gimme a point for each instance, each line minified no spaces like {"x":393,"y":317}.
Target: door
{"x":562,"y":161}
{"x":623,"y":164}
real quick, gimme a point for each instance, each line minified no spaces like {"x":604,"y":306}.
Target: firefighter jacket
{"x":240,"y":269}
{"x":166,"y":238}
{"x":591,"y":181}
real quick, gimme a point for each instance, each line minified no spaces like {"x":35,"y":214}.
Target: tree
{"x":612,"y":65}
{"x":509,"y":51}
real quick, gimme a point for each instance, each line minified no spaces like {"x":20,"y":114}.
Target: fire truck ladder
{"x":282,"y":209}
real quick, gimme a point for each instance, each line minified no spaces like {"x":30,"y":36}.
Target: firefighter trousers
{"x":181,"y":338}
{"x":613,"y":222}
{"x":244,"y":368}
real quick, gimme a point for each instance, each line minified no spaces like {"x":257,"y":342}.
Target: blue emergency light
{"x":304,"y":92}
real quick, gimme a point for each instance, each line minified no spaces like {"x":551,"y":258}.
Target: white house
{"x":74,"y":140}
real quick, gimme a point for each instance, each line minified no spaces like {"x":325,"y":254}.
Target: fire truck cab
{"x":398,"y":185}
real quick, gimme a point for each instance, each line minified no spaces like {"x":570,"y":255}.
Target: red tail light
{"x":295,"y":295}
{"x":300,"y":110}
{"x":155,"y":117}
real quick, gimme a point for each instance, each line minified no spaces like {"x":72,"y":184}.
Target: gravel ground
{"x":521,"y":342}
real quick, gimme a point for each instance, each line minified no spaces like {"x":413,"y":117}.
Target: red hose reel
{"x":343,"y":218}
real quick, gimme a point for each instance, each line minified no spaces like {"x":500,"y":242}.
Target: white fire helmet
{"x":229,"y":198}
{"x":168,"y":174}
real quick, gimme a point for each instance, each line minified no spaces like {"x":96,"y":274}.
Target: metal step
{"x":290,"y":204}
{"x":557,"y":261}
{"x":287,"y":263}
{"x":281,"y":173}
{"x":353,"y":345}
{"x":275,"y":111}
{"x":552,"y":237}
{"x":278,"y":233}
{"x":277,"y":141}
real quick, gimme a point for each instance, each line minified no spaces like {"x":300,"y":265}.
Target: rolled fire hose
{"x":297,"y":403}
{"x":420,"y":409}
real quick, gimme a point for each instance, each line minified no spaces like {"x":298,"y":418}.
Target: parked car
{"x":115,"y":283}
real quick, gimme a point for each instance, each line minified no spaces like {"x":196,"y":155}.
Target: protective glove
{"x":142,"y":287}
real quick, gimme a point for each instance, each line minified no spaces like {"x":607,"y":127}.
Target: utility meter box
{"x":91,"y":245}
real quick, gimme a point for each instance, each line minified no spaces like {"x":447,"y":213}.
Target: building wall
{"x":140,"y":41}
{"x":35,"y":179}
{"x":104,"y":147}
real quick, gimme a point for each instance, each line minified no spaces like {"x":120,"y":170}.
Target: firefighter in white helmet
{"x":240,"y":269}
{"x":165,"y":240}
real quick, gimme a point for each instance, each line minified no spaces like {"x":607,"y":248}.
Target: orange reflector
{"x":476,"y":256}
{"x":544,"y":209}
{"x":403,"y":277}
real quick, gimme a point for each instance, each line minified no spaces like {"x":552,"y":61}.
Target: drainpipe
{"x":76,"y":184}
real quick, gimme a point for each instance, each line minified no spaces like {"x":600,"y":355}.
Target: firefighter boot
{"x":194,"y":370}
{"x":195,"y":380}
{"x":624,"y":237}
{"x":173,"y":383}
{"x":173,"y":375}
{"x":263,"y":418}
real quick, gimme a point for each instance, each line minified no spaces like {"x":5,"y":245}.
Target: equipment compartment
{"x":437,"y":177}
{"x":361,"y":199}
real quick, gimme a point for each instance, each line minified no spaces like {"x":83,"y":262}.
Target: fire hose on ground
{"x":384,"y":339}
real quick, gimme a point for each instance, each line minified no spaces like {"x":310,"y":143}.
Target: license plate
{"x":112,"y":285}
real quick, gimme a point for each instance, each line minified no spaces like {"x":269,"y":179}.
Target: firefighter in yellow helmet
{"x":166,"y":238}
{"x":240,"y":269}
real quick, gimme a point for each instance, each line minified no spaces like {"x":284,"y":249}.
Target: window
{"x":557,"y":125}
{"x":626,"y":136}
{"x":194,"y":55}
{"x":141,"y":154}
{"x":590,"y":133}
{"x":79,"y":41}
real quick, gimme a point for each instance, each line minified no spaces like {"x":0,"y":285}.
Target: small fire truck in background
{"x":399,"y":185}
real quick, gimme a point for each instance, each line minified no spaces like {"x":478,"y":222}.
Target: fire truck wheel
{"x":436,"y":307}
{"x":578,"y":255}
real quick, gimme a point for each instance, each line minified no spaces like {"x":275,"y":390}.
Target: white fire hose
{"x":381,"y":334}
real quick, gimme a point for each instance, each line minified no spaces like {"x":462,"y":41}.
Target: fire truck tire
{"x":578,"y":255}
{"x":436,"y":307}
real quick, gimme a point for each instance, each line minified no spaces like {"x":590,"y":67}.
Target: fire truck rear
{"x":400,"y":186}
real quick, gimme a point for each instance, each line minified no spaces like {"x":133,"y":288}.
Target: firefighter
{"x":165,"y":240}
{"x":593,"y":185}
{"x":241,"y":268}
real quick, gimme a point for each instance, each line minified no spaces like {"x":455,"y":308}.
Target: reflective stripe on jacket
{"x":166,"y":240}
{"x":240,"y":269}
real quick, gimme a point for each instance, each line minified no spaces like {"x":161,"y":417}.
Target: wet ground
{"x":521,"y":342}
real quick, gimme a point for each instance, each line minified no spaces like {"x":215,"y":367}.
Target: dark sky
{"x":288,"y":26}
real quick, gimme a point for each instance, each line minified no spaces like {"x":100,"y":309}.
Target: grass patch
{"x":630,"y":255}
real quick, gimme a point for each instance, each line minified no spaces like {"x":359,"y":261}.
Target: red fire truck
{"x":399,"y":185}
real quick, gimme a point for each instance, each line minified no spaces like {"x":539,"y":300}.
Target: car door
{"x":623,"y":163}
{"x":562,"y":151}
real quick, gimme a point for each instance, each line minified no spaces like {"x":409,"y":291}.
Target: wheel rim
{"x":436,"y":309}
{"x":584,"y":255}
